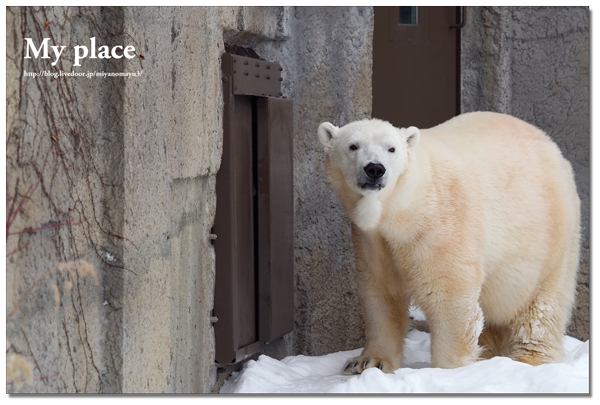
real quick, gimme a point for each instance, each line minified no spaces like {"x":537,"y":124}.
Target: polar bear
{"x":476,"y":220}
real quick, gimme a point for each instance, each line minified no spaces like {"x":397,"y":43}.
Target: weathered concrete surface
{"x":131,"y":163}
{"x":172,"y":141}
{"x":59,"y":137}
{"x":534,"y":63}
{"x":148,"y":201}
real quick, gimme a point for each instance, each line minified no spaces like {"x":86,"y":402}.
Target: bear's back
{"x":494,"y":144}
{"x":487,"y":129}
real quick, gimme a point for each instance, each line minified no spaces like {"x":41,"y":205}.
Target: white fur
{"x":367,"y":213}
{"x":476,"y":220}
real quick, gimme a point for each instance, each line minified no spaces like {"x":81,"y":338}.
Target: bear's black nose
{"x":374,"y":171}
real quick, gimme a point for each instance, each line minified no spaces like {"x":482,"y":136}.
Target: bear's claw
{"x":358,"y":364}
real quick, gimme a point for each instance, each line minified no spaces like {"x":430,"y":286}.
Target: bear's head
{"x":369,"y":154}
{"x":365,"y":159}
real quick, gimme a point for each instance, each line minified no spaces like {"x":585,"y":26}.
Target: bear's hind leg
{"x":493,"y":342}
{"x":536,"y":334}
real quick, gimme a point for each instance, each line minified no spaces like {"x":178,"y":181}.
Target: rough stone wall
{"x":172,"y":138}
{"x":126,"y":171}
{"x":120,"y":172}
{"x":63,"y":162}
{"x":534,"y":63}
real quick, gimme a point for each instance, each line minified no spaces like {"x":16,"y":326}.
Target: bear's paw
{"x":359,"y":364}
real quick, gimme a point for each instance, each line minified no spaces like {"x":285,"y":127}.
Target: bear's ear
{"x":327,"y":132}
{"x":413,"y":136}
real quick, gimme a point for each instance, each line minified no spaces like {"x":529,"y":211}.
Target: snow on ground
{"x":323,"y":374}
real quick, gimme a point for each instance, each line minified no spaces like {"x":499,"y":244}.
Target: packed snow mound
{"x":323,"y":374}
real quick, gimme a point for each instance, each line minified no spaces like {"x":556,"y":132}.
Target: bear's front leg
{"x":386,"y":318}
{"x":456,"y":321}
{"x":384,"y":304}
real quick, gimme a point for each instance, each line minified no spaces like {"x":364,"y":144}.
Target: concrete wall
{"x":62,"y":144}
{"x":125,"y":169}
{"x":534,"y":63}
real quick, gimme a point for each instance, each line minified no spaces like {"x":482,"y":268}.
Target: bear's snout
{"x":372,"y":179}
{"x":374,"y":171}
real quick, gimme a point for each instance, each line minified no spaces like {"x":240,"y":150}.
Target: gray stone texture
{"x":534,"y":63}
{"x":131,"y":162}
{"x":59,"y":137}
{"x":140,"y":177}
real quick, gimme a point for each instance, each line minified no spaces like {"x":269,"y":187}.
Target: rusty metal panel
{"x":253,"y":77}
{"x":235,"y":299}
{"x":275,"y":218}
{"x":254,"y":300}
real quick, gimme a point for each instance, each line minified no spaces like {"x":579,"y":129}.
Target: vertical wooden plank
{"x":235,"y":298}
{"x":245,"y":298}
{"x":276,"y":218}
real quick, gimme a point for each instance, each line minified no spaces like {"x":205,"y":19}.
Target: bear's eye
{"x":392,"y":150}
{"x":353,"y":147}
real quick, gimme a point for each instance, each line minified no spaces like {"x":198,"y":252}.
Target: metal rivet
{"x":257,"y":75}
{"x":268,"y":66}
{"x":280,"y":79}
{"x":234,"y":60}
{"x":245,"y":62}
{"x":280,"y":94}
{"x":257,"y":64}
{"x":246,"y":73}
{"x":268,"y":77}
{"x":280,"y":69}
